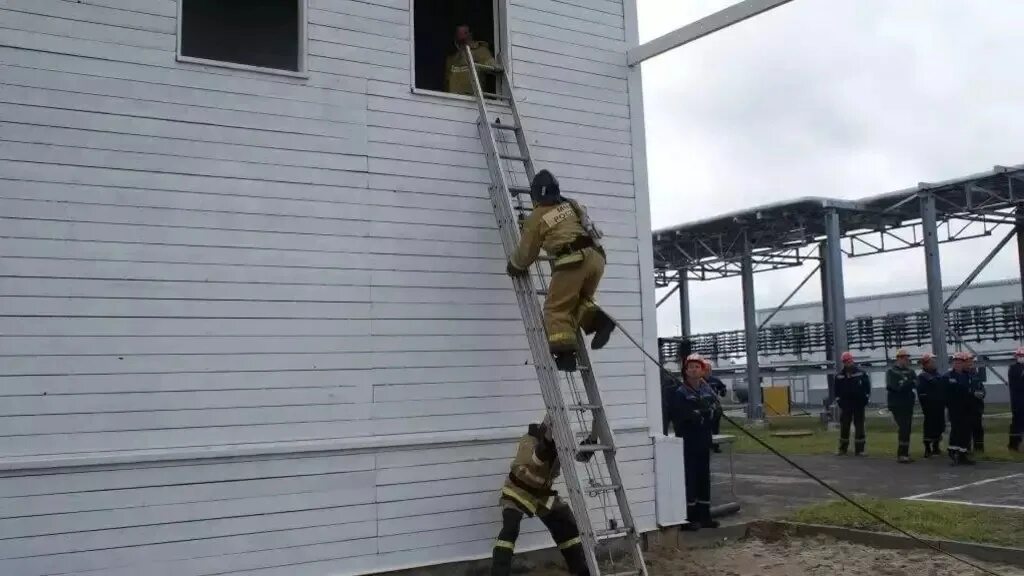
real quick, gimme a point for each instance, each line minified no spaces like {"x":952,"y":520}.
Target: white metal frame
{"x":502,"y":47}
{"x":695,"y":30}
{"x":303,"y":48}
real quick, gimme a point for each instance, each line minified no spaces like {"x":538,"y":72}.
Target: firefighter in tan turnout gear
{"x":527,"y":492}
{"x":562,"y":228}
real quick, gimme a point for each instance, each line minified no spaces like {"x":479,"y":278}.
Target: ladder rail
{"x":547,"y":373}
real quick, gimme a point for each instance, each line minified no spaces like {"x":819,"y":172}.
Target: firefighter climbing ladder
{"x":509,"y":208}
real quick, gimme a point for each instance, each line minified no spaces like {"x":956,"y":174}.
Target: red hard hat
{"x":695,"y":358}
{"x":846,"y":357}
{"x":1019,"y":352}
{"x":961,"y":356}
{"x":927,"y":357}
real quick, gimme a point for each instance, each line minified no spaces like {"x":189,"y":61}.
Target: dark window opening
{"x":264,"y":33}
{"x":435,"y":23}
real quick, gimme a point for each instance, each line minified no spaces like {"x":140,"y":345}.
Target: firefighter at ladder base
{"x":899,"y":385}
{"x":931,"y":395}
{"x":852,"y":391}
{"x":963,"y":392}
{"x":527,"y":492}
{"x":1016,"y":382}
{"x":691,"y":408}
{"x":562,"y":228}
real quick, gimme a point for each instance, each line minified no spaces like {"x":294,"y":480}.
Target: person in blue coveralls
{"x":691,"y":406}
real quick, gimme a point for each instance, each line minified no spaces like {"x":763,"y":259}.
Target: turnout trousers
{"x":560,"y":523}
{"x":904,"y":417}
{"x":570,"y":304}
{"x":855,"y":415}
{"x":697,"y":468}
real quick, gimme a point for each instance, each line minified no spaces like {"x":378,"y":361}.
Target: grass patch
{"x":881,"y":438}
{"x":945,"y":521}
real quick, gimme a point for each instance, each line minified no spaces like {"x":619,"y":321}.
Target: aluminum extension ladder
{"x":511,"y":205}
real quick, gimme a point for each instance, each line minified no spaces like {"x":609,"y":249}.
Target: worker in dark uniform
{"x":977,"y":417}
{"x":961,"y":397}
{"x":899,"y":386}
{"x":930,"y":393}
{"x":718,"y":387}
{"x":562,"y":228}
{"x":528,"y":492}
{"x":691,"y":407}
{"x":853,"y":390}
{"x":1016,"y":382}
{"x":457,"y":79}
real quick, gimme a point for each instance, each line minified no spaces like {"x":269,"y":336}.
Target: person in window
{"x":457,"y":79}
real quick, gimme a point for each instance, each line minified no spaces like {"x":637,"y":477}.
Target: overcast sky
{"x":841,"y":98}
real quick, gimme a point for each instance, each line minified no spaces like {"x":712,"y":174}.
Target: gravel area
{"x":822,"y":556}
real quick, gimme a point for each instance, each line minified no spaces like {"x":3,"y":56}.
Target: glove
{"x":980,"y":395}
{"x":513,"y":271}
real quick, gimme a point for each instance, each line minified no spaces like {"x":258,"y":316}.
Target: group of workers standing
{"x":958,"y":394}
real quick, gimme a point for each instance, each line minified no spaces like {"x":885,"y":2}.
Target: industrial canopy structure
{"x":789,"y":234}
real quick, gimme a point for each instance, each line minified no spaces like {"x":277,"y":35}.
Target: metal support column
{"x":754,"y":408}
{"x":833,"y":237}
{"x":1020,"y":246}
{"x":826,"y":316}
{"x":933,"y":273}
{"x":684,"y":304}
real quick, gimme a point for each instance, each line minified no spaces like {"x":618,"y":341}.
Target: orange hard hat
{"x":846,"y":357}
{"x":902,"y":352}
{"x":1019,"y":352}
{"x":695,"y":358}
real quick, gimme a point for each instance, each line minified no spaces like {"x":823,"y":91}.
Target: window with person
{"x":441,"y":29}
{"x":267,"y":34}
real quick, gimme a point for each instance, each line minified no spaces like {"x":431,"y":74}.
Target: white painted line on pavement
{"x":963,"y":503}
{"x":961,"y":487}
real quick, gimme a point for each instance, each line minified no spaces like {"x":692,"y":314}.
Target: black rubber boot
{"x":603,"y":326}
{"x":565,"y":361}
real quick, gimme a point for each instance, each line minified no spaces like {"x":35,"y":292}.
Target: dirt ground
{"x":799,"y":557}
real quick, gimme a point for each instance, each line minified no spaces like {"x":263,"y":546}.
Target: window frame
{"x":502,"y":47}
{"x":302,"y":72}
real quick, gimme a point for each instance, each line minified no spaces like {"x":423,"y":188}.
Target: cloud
{"x":840,"y":98}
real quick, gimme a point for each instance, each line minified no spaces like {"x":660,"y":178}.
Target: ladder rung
{"x":541,"y":292}
{"x":517,"y":190}
{"x":513,"y":157}
{"x":489,"y":68}
{"x":494,"y":96}
{"x":630,"y":573}
{"x":500,"y":126}
{"x":603,"y":488}
{"x":586,"y":448}
{"x":613,"y":532}
{"x":581,"y":407}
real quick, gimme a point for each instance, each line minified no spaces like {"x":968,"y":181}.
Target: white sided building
{"x":253,"y":312}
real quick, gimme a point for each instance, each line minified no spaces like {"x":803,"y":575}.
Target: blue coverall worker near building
{"x":691,"y":408}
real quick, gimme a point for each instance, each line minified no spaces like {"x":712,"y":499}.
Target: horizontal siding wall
{"x":295,"y":515}
{"x":196,"y":259}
